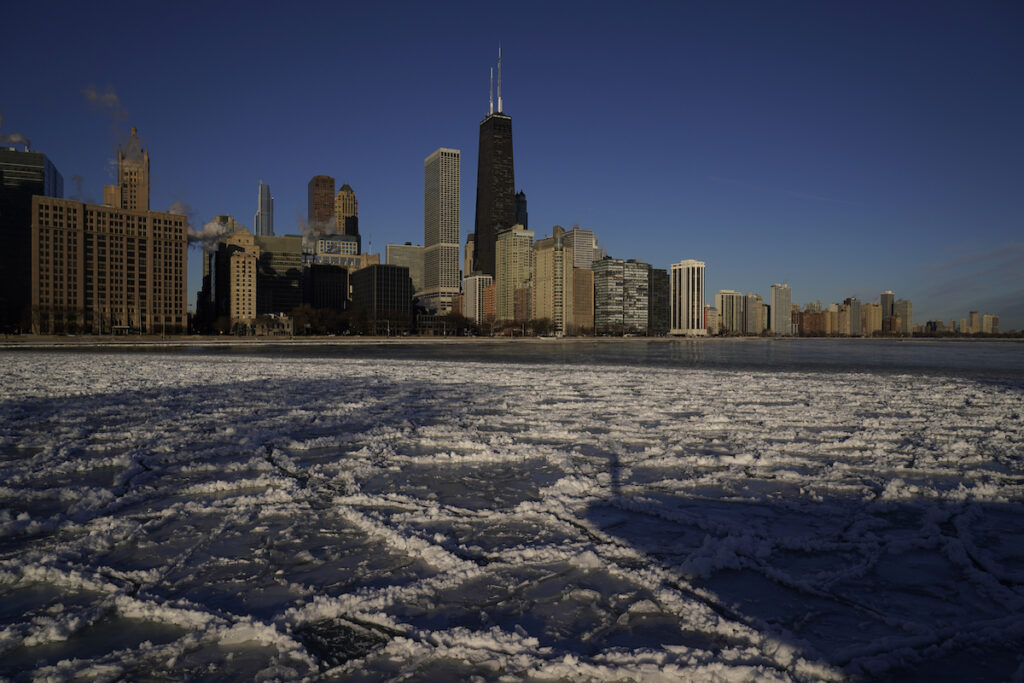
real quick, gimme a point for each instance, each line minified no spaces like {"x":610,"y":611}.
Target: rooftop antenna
{"x":499,"y":78}
{"x":490,"y":96}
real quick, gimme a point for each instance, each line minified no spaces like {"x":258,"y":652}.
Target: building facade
{"x":495,"y":187}
{"x":731,"y":313}
{"x":608,"y":296}
{"x":905,"y":310}
{"x":474,"y":304}
{"x":100,"y":269}
{"x":513,"y":252}
{"x":584,"y":247}
{"x":22,"y":175}
{"x":753,"y":314}
{"x":320,"y":204}
{"x":659,"y":312}
{"x":552,"y":296}
{"x":107,"y":269}
{"x":132,"y":189}
{"x":279,"y":276}
{"x":263,"y":222}
{"x":410,"y":256}
{"x":782,"y":310}
{"x":441,"y":180}
{"x":688,"y":298}
{"x":583,"y":300}
{"x":346,"y":211}
{"x":383,"y":294}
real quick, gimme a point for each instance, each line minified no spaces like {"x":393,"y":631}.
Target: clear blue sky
{"x":844,"y":148}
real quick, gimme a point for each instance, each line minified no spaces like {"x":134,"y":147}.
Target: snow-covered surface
{"x":260,"y":517}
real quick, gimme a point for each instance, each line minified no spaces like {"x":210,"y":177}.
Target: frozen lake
{"x":723,"y":510}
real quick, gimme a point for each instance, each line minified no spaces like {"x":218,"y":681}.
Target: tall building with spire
{"x":495,"y":182}
{"x":109,"y":269}
{"x":346,"y":211}
{"x":264,"y":220}
{"x":132,"y":189}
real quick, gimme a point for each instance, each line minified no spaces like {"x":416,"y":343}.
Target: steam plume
{"x":13,"y":138}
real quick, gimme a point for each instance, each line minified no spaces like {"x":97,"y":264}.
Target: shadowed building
{"x":905,"y":311}
{"x":495,"y":186}
{"x":325,"y":287}
{"x":410,"y":256}
{"x":383,"y":294}
{"x":658,"y":309}
{"x":22,"y":175}
{"x":279,"y":278}
{"x":583,"y":299}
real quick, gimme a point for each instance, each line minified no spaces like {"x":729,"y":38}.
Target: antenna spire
{"x":490,"y":97}
{"x":499,"y":78}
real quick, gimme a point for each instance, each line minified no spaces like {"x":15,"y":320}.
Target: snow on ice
{"x":192,"y":516}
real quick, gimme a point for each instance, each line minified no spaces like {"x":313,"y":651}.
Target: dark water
{"x":990,"y":360}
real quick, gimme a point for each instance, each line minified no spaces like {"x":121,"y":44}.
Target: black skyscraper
{"x":522,"y":218}
{"x":495,"y":184}
{"x":22,"y":174}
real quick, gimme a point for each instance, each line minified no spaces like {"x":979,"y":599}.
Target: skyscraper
{"x":782,"y":311}
{"x":346,"y":211}
{"x":103,"y":269}
{"x":514,"y":266}
{"x":132,"y":190}
{"x":886,"y":301}
{"x":731,"y":313}
{"x":320,"y":203}
{"x":22,"y":175}
{"x":553,"y":281}
{"x":687,"y":298}
{"x":658,"y":309}
{"x":584,"y":247}
{"x":441,"y":178}
{"x":410,"y":256}
{"x":905,"y":310}
{"x":753,"y":306}
{"x":495,"y":184}
{"x":264,"y":220}
{"x":522,"y":217}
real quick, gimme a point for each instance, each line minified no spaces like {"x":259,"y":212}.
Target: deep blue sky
{"x":844,"y":148}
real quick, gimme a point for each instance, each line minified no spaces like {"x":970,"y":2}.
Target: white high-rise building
{"x":441,"y":174}
{"x":584,"y":247}
{"x":473,"y":293}
{"x":730,"y":303}
{"x":264,"y":221}
{"x":782,"y":311}
{"x":687,"y":298}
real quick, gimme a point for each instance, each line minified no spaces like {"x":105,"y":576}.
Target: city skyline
{"x":842,"y":150}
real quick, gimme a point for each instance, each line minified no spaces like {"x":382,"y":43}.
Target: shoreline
{"x":53,"y":342}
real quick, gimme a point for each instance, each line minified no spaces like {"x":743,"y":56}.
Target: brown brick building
{"x":106,"y":269}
